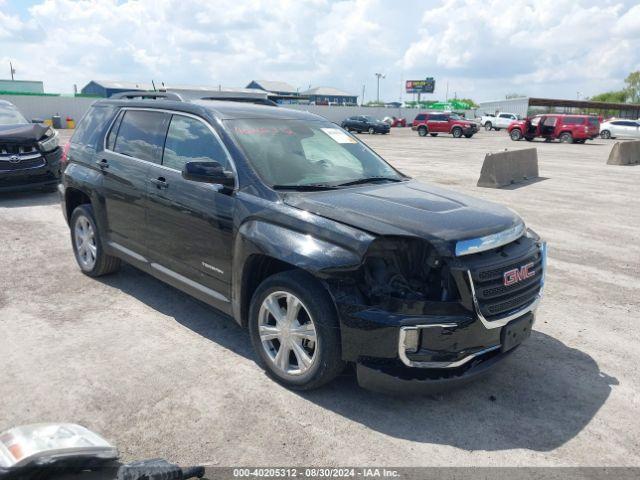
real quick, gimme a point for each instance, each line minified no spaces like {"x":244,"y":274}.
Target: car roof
{"x":224,"y":110}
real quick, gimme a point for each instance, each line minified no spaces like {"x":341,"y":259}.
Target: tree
{"x":471,"y":103}
{"x":615,"y":96}
{"x":509,"y":96}
{"x":633,"y":86}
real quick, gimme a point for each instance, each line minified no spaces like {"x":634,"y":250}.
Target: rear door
{"x":190,"y":223}
{"x":134,"y":144}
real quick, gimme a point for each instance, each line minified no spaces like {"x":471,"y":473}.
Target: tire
{"x":580,"y":141}
{"x":317,"y":309}
{"x":566,"y":137}
{"x":488,"y":126}
{"x":515,"y":134}
{"x":422,"y":131}
{"x":606,"y":134}
{"x":89,"y":252}
{"x":468,"y":135}
{"x":371,"y":131}
{"x":497,"y":129}
{"x":456,"y":132}
{"x":433,"y":134}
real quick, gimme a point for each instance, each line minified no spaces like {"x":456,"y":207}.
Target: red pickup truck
{"x":435,"y":123}
{"x":566,"y":128}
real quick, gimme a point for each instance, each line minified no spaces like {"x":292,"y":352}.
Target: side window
{"x":618,"y":123}
{"x":420,"y":117}
{"x":505,"y":115}
{"x":141,"y":134}
{"x":90,"y":128}
{"x":111,"y":138}
{"x":190,"y":140}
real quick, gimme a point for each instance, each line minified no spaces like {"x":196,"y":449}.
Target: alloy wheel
{"x":85,"y":240}
{"x":287,"y":333}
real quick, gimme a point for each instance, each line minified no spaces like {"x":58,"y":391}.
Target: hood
{"x":408,"y":209}
{"x":25,"y":132}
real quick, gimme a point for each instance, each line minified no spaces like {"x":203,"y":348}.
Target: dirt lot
{"x":163,"y":375}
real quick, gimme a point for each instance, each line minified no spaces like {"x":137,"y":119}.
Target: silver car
{"x":620,"y":128}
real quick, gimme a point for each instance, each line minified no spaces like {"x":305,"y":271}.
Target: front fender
{"x":320,"y":257}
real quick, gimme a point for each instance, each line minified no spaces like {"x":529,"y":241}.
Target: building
{"x":529,"y":106}
{"x":330,"y":96}
{"x":106,"y":88}
{"x":279,"y":88}
{"x":21,"y":86}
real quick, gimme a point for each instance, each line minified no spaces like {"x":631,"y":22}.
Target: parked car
{"x":365,"y":123}
{"x":499,"y":121}
{"x":29,"y":152}
{"x":620,"y":128}
{"x":395,"y":121}
{"x":303,"y":234}
{"x":566,"y":128}
{"x":439,"y":122}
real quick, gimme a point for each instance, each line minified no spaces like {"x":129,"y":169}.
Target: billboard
{"x":427,"y":85}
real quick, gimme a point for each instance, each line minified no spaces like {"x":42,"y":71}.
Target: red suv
{"x":435,"y":123}
{"x":566,"y":128}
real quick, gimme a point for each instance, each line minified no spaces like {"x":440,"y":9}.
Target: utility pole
{"x":362,"y":100}
{"x":13,"y":70}
{"x":378,"y":77}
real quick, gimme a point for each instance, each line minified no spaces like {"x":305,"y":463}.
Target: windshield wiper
{"x":305,"y":188}
{"x":369,"y":180}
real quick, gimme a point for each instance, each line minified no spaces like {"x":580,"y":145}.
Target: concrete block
{"x":511,"y":166}
{"x":625,"y":153}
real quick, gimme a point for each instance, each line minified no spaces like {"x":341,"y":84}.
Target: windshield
{"x":302,"y":152}
{"x":9,"y":115}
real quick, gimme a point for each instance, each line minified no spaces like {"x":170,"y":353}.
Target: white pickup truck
{"x":498,"y":121}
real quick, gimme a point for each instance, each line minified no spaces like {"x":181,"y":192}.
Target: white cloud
{"x":483,"y":48}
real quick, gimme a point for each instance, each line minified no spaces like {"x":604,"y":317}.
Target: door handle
{"x":103,"y":164}
{"x":160,"y":182}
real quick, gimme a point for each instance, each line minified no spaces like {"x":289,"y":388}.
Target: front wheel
{"x":606,"y":134}
{"x":422,"y":131}
{"x":371,"y":131}
{"x":87,"y":245}
{"x":456,"y":132}
{"x":295,"y":331}
{"x":488,"y":126}
{"x":566,"y":137}
{"x":515,"y":134}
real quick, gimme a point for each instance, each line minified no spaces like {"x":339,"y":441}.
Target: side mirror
{"x":208,"y":172}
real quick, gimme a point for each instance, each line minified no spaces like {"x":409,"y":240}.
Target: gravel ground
{"x":162,"y":375}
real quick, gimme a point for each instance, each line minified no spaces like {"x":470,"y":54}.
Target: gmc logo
{"x":518,"y":274}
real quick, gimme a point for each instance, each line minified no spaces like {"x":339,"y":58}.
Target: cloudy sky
{"x":482,"y":49}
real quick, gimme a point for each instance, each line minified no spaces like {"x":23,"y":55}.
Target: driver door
{"x":190,"y":223}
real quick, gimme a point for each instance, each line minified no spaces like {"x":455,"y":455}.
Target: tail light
{"x":65,"y":155}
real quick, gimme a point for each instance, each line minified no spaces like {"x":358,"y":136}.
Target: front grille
{"x":22,"y":162}
{"x":494,"y":298}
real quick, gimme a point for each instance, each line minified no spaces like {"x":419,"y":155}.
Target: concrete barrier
{"x":625,"y":153}
{"x":511,"y":166}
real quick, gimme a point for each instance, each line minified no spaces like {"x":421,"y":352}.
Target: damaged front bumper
{"x":434,"y":346}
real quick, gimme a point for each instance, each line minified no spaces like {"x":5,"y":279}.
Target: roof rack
{"x":258,"y":101}
{"x":150,"y":95}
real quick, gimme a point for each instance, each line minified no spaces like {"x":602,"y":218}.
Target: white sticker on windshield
{"x":338,"y":135}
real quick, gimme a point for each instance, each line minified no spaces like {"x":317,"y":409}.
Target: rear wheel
{"x":488,"y":126}
{"x":566,"y":137}
{"x":456,"y":132}
{"x":422,"y":131}
{"x":433,"y":134}
{"x":606,"y":134}
{"x":87,"y":246}
{"x":516,"y":134}
{"x":295,"y":331}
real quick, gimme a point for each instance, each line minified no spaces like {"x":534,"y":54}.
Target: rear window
{"x":90,"y":129}
{"x":141,"y":135}
{"x":573,"y":121}
{"x":594,"y":121}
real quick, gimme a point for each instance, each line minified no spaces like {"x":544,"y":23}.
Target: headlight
{"x":49,"y":143}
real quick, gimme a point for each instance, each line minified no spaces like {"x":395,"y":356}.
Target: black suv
{"x":303,"y":234}
{"x":29,"y":152}
{"x":365,"y":123}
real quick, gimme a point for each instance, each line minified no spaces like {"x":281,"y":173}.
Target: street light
{"x":378,"y":76}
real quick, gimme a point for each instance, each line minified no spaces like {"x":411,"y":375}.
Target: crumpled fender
{"x":322,"y":257}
